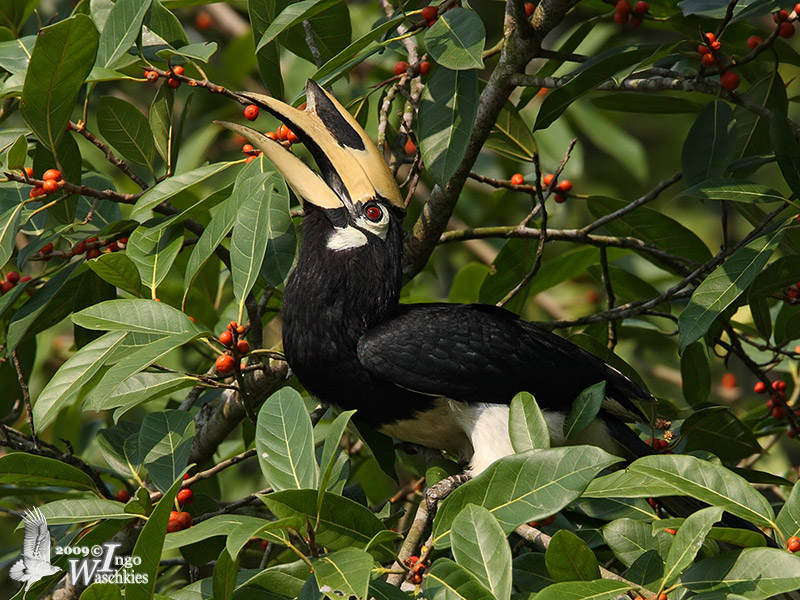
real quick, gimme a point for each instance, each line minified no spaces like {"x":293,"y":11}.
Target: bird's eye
{"x":374,"y":213}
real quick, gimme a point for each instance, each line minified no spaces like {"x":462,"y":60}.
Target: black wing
{"x":481,"y":353}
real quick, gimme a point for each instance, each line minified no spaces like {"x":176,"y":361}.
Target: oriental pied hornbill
{"x":438,"y":375}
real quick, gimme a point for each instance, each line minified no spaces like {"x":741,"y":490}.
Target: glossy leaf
{"x":447,"y":111}
{"x":330,"y":452}
{"x":527,"y":426}
{"x":118,"y":270}
{"x":201,"y":51}
{"x":140,"y":388}
{"x":293,"y":15}
{"x":786,"y":151}
{"x":122,"y":27}
{"x":225,"y":571}
{"x":285,"y":442}
{"x":62,"y":512}
{"x":709,"y":144}
{"x":584,"y":409}
{"x":688,"y":540}
{"x":695,"y":373}
{"x":629,"y":540}
{"x":716,"y":429}
{"x":734,"y":190}
{"x":524,"y":487}
{"x":789,"y":516}
{"x":62,"y":58}
{"x":480,"y":545}
{"x":568,"y":558}
{"x":160,"y":121}
{"x":127,"y":130}
{"x":9,"y":224}
{"x":268,"y":55}
{"x":787,"y":324}
{"x":511,"y":136}
{"x":24,"y":470}
{"x":153,"y":251}
{"x":456,"y":40}
{"x":724,"y":285}
{"x":344,"y":573}
{"x":449,"y":581}
{"x":137,"y":315}
{"x":65,"y":386}
{"x":165,"y":441}
{"x":600,"y":589}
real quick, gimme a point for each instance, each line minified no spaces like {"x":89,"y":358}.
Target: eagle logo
{"x":35,"y":561}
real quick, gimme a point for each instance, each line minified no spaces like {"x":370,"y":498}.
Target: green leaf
{"x":285,"y":442}
{"x":149,"y":544}
{"x":709,"y":144}
{"x":524,"y":487}
{"x":587,"y":77}
{"x":62,"y":58}
{"x":102,"y":591}
{"x":153,"y":250}
{"x":629,"y":540}
{"x":160,"y":121}
{"x":343,"y":523}
{"x":688,"y":540}
{"x":695,"y":373}
{"x":511,"y":136}
{"x":789,"y":515}
{"x":68,"y":512}
{"x":510,"y":266}
{"x":449,"y":581}
{"x":201,"y":51}
{"x":717,"y":430}
{"x":214,"y":233}
{"x":735,"y":190}
{"x":172,"y":186}
{"x":752,"y":573}
{"x":292,"y":15}
{"x":568,"y":558}
{"x":724,"y":285}
{"x":225,"y":571}
{"x":480,"y":545}
{"x":16,"y":154}
{"x":786,"y":151}
{"x":137,"y":315}
{"x":330,"y":452}
{"x":627,"y":484}
{"x":447,"y":111}
{"x":137,"y":389}
{"x":268,"y":56}
{"x":223,"y":526}
{"x":527,"y":426}
{"x":530,"y":572}
{"x":344,"y":573}
{"x":787,"y":324}
{"x":9,"y":224}
{"x":456,"y":40}
{"x":584,"y":409}
{"x":647,"y":103}
{"x":118,"y":270}
{"x":127,"y":130}
{"x":120,"y":31}
{"x":165,"y":441}
{"x":601,"y":589}
{"x":710,"y":483}
{"x":64,"y":387}
{"x":24,"y":470}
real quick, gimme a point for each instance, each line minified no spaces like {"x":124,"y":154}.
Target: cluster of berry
{"x":11,"y":280}
{"x":562,"y":187}
{"x":708,"y":51}
{"x":778,"y":393}
{"x":172,"y":82}
{"x":624,"y":11}
{"x":236,"y":346}
{"x":417,"y":569}
{"x":51,"y":182}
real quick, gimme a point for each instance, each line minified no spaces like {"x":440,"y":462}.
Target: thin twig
{"x":110,"y":156}
{"x":26,"y":396}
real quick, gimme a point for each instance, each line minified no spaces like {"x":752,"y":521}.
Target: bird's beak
{"x":352,"y":170}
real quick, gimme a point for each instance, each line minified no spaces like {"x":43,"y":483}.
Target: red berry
{"x":728,"y":381}
{"x":786,"y":29}
{"x":620,"y":18}
{"x":670,"y":531}
{"x":424,"y":67}
{"x":716,"y":45}
{"x":271,"y":135}
{"x":243,"y":347}
{"x":79,"y":248}
{"x":623,"y":7}
{"x":291,"y":137}
{"x":779,"y":384}
{"x":416,"y":579}
{"x":251,"y":112}
{"x":283,"y":133}
{"x":264,"y":544}
{"x":173,"y":83}
{"x":13,"y":276}
{"x":709,"y":37}
{"x":703,"y":49}
{"x":529,"y":8}
{"x":185,"y":496}
{"x":89,"y":240}
{"x":729,"y":80}
{"x":6,"y":286}
{"x":248,"y":149}
{"x":249,"y":159}
{"x":25,"y":278}
{"x":759,"y":387}
{"x":793,"y":544}
{"x":641,"y":7}
{"x":93,"y":253}
{"x":184,"y":519}
{"x":429,"y":13}
{"x":52,"y":174}
{"x":47,"y":248}
{"x":178,"y":70}
{"x":203,"y":20}
{"x":410,"y":148}
{"x":225,"y":338}
{"x":708,"y":60}
{"x":547,"y":179}
{"x":797,"y":9}
{"x":224,"y":363}
{"x":780,"y":16}
{"x":173,"y":526}
{"x":754,"y":41}
{"x":29,"y":171}
{"x":36,"y":192}
{"x":112,"y":247}
{"x":240,"y":329}
{"x":790,"y":433}
{"x":559,"y":198}
{"x":564,"y":186}
{"x":517,"y":179}
{"x":778,"y":413}
{"x":400,"y":67}
{"x":151,"y":76}
{"x":123,"y":495}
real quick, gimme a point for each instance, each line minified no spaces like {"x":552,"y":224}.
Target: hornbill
{"x":439,"y":375}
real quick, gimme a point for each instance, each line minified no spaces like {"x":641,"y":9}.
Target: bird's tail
{"x":678,"y":506}
{"x":18,"y":572}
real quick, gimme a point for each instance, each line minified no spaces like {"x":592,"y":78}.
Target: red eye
{"x":374,"y":213}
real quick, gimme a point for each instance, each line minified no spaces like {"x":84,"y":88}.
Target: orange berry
{"x":173,"y":83}
{"x":786,"y":29}
{"x":529,"y":8}
{"x":754,"y":41}
{"x":232,"y":325}
{"x":248,"y":149}
{"x":184,"y":519}
{"x":291,"y":137}
{"x":547,"y":179}
{"x":52,"y":174}
{"x":670,"y":531}
{"x":36,"y":192}
{"x":410,"y":148}
{"x":759,"y":387}
{"x":708,"y":60}
{"x":424,"y":67}
{"x":728,"y":381}
{"x":793,"y":544}
{"x":151,"y":76}
{"x":29,"y":171}
{"x":517,"y":179}
{"x":178,"y":70}
{"x":709,"y":37}
{"x":224,"y":363}
{"x":240,"y":329}
{"x":173,"y":526}
{"x":729,"y":80}
{"x":243,"y":347}
{"x":50,"y":186}
{"x":716,"y":45}
{"x":225,"y":338}
{"x":429,"y":13}
{"x":271,"y":135}
{"x":400,"y":67}
{"x":702,"y":49}
{"x":185,"y":496}
{"x":283,"y":133}
{"x":251,"y":112}
{"x":203,"y":20}
{"x":249,"y":159}
{"x":564,"y":186}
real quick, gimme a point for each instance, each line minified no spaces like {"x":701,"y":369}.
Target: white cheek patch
{"x":345,"y":238}
{"x":378,"y":228}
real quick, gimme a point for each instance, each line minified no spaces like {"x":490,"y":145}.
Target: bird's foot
{"x":442,"y":490}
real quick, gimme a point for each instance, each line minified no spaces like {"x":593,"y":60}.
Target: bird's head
{"x":354,"y":189}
